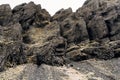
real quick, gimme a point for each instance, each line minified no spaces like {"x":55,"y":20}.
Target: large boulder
{"x":97,"y":28}
{"x":11,"y":47}
{"x":101,"y":11}
{"x":112,"y":21}
{"x":74,"y":29}
{"x":30,"y":14}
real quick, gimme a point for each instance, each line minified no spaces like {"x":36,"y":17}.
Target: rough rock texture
{"x":85,"y":70}
{"x":88,"y":39}
{"x":62,"y":14}
{"x":30,"y":14}
{"x":11,"y":46}
{"x":102,"y":18}
{"x":5,"y":14}
{"x":44,"y":72}
{"x":74,"y":29}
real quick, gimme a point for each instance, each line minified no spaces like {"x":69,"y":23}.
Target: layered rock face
{"x":29,"y":34}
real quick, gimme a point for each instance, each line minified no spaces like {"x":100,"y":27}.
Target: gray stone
{"x":5,"y":14}
{"x":74,"y":30}
{"x":62,"y":14}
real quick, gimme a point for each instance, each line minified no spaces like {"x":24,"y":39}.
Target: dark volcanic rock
{"x":74,"y":30}
{"x":5,"y":14}
{"x":103,"y":51}
{"x":30,"y":14}
{"x":11,"y":48}
{"x":102,"y":15}
{"x":46,"y":45}
{"x":62,"y":14}
{"x":97,"y":28}
{"x":100,"y":52}
{"x":51,"y":53}
{"x":75,"y":54}
{"x":11,"y":33}
{"x":28,"y":34}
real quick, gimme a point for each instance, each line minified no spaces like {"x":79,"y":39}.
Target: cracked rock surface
{"x":81,"y":45}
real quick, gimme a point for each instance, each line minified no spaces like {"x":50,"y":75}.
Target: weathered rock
{"x":74,"y":30}
{"x":100,"y":52}
{"x":41,"y":35}
{"x":76,"y":55}
{"x":103,"y":51}
{"x":52,"y":52}
{"x":30,"y":14}
{"x":97,"y":28}
{"x":112,"y":21}
{"x":11,"y":48}
{"x":11,"y":33}
{"x":46,"y":45}
{"x":24,"y":14}
{"x":92,"y":10}
{"x":29,"y":34}
{"x":62,"y":14}
{"x":5,"y":14}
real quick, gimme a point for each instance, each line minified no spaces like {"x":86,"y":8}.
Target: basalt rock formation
{"x":88,"y":39}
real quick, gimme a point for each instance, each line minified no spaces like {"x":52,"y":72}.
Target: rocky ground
{"x":85,"y":70}
{"x":81,"y":45}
